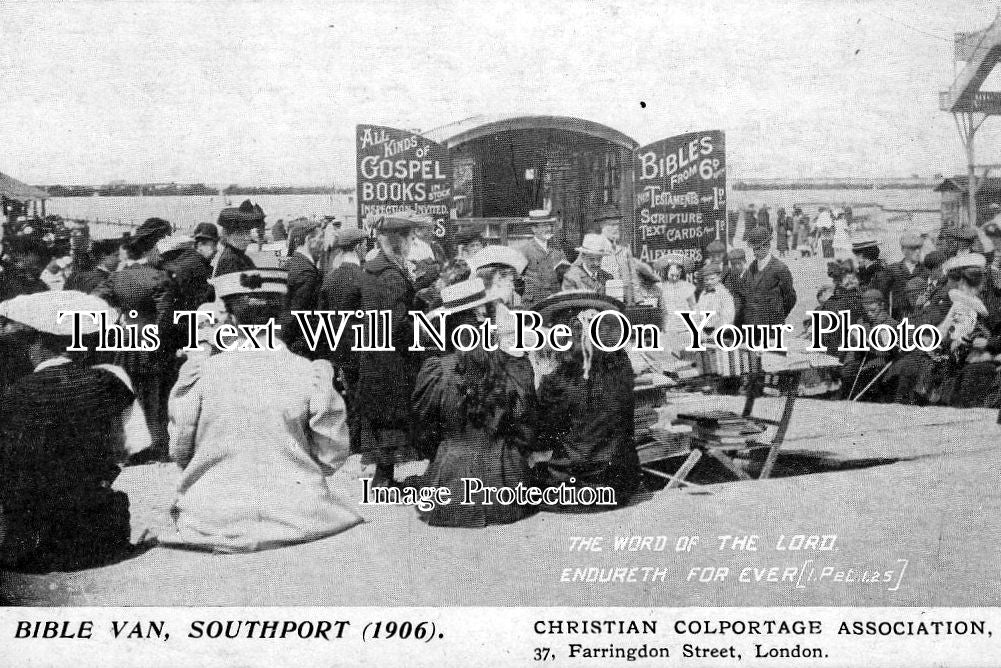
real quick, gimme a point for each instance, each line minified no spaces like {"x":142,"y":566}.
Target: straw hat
{"x":254,"y":281}
{"x":462,"y":296}
{"x":498,"y":255}
{"x":595,"y":244}
{"x":41,"y":310}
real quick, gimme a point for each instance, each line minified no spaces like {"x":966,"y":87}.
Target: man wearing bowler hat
{"x":546,"y":265}
{"x":768,"y":288}
{"x":237,"y":224}
{"x":872,"y":271}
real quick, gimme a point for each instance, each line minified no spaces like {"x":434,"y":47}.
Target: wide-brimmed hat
{"x":498,"y":255}
{"x":562,"y":307}
{"x":911,"y":240}
{"x":23,"y":244}
{"x":149,"y":233}
{"x":303,"y":226}
{"x":206,"y":232}
{"x":252,"y":281}
{"x":102,"y":247}
{"x":965,"y":261}
{"x":349,"y":237}
{"x":41,"y":310}
{"x":716,"y":246}
{"x":247,"y":216}
{"x":462,"y":296}
{"x":595,"y":244}
{"x":667,"y":259}
{"x":539,"y":217}
{"x":174,"y":245}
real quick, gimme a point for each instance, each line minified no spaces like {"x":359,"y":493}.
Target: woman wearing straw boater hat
{"x":143,"y":295}
{"x":586,"y":404}
{"x":478,"y":407}
{"x":386,"y":377}
{"x":256,"y":433}
{"x":237,"y":225}
{"x":64,"y":429}
{"x":586,"y":273}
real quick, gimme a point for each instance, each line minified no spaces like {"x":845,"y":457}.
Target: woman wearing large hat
{"x":479,"y":407}
{"x":63,"y":433}
{"x":586,"y":404}
{"x":256,"y":433}
{"x":237,"y":225}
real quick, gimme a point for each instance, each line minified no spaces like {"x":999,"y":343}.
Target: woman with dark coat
{"x":782,"y":226}
{"x":847,"y":297}
{"x":480,"y":406}
{"x":62,"y":436}
{"x":144,"y":296}
{"x":386,"y":378}
{"x":586,"y":407}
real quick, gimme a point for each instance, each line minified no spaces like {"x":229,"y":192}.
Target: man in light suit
{"x":768,"y":289}
{"x":546,"y":266}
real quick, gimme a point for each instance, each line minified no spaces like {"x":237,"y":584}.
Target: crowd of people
{"x":256,"y":432}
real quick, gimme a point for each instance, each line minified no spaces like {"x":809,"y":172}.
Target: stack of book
{"x":717,"y":426}
{"x":663,"y":442}
{"x":681,"y":369}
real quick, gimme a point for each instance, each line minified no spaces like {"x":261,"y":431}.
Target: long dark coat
{"x":386,"y":378}
{"x":769,"y":293}
{"x":899,"y":275}
{"x":304,"y":281}
{"x":232,"y":259}
{"x":589,"y":425}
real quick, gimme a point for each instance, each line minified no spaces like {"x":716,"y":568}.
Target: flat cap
{"x":864,"y":243}
{"x":737,"y":254}
{"x":206,"y":232}
{"x":349,"y":237}
{"x":716,"y":247}
{"x":873,"y":296}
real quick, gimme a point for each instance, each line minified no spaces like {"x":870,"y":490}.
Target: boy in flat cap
{"x":237,"y":224}
{"x":903,"y":271}
{"x":305,"y":245}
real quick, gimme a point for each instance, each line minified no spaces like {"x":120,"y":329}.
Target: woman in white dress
{"x":676,"y":294}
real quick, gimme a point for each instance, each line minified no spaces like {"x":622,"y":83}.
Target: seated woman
{"x":932,"y":377}
{"x":256,"y":432}
{"x":481,"y":407}
{"x":586,"y":406}
{"x":62,"y":436}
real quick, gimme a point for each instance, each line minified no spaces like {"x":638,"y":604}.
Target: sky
{"x":263,"y":93}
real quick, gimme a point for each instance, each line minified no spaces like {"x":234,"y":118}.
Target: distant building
{"x":955,"y":198}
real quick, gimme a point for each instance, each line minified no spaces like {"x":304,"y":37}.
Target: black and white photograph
{"x":602,"y":331}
